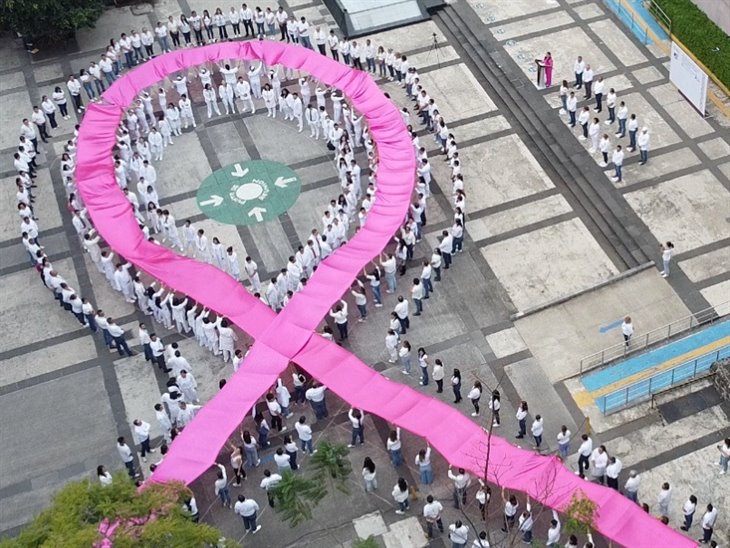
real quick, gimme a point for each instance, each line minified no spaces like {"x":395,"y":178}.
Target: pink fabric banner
{"x":289,"y":336}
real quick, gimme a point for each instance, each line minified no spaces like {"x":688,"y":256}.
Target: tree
{"x":296,"y":495}
{"x":580,"y":514}
{"x":151,"y":517}
{"x":52,"y":19}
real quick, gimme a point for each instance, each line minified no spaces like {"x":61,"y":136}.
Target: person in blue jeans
{"x":394,"y":447}
{"x":423,"y":364}
{"x":456,"y":385}
{"x":221,"y":486}
{"x":263,"y":429}
{"x":423,"y":461}
{"x":356,"y":419}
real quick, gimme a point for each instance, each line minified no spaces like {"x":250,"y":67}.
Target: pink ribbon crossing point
{"x":289,"y":336}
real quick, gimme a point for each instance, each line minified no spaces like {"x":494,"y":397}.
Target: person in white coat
{"x":173,"y":117}
{"x":188,"y":386}
{"x":226,"y":339}
{"x":252,"y":272}
{"x":269,"y":96}
{"x":164,"y":422}
{"x":211,"y":101}
{"x":243,"y":92}
{"x":254,"y":78}
{"x":156,"y":146}
{"x":643,"y":142}
{"x":124,"y":281}
{"x":232,"y":266}
{"x":186,"y":111}
{"x":594,"y":132}
{"x":91,"y":245}
{"x":226,"y":94}
{"x":296,"y":110}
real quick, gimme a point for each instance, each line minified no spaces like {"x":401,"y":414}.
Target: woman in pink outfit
{"x":548,"y":62}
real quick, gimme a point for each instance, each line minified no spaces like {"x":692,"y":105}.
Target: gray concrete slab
{"x":707,"y":265}
{"x":563,"y":247}
{"x":277,"y":141}
{"x":685,"y":115}
{"x":490,"y":181}
{"x":85,"y":433}
{"x":517,"y":217}
{"x":616,"y":41}
{"x":183,"y":167}
{"x":715,"y":148}
{"x":16,"y":106}
{"x":717,"y":296}
{"x":49,"y":358}
{"x":461,"y":101}
{"x":691,"y":211}
{"x":660,"y":164}
{"x":561,"y":335}
{"x":540,"y":23}
{"x":499,"y":11}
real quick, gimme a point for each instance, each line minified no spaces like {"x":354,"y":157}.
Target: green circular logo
{"x":248,"y":192}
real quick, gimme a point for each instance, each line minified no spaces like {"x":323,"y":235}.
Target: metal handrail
{"x":620,"y":8}
{"x":659,"y":14}
{"x":640,"y":342}
{"x":663,"y":380}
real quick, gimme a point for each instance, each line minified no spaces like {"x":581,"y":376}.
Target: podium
{"x":540,"y":73}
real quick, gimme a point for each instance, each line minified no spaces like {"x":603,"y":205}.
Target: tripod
{"x":434,"y":48}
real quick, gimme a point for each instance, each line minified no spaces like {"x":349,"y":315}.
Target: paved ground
{"x":544,"y":224}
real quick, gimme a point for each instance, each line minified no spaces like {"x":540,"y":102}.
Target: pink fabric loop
{"x":289,"y":335}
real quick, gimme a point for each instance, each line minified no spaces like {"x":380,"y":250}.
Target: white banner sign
{"x":689,"y":78}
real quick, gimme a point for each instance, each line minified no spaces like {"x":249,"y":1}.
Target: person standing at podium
{"x":547,"y":63}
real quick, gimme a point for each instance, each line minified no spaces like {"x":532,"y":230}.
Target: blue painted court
{"x":665,"y":357}
{"x":637,"y":18}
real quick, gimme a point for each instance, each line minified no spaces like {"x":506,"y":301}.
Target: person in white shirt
{"x":611,"y":105}
{"x":708,"y":524}
{"x":117,"y":335}
{"x":339,"y":314}
{"x":627,"y":329}
{"x":268,"y":483}
{"x":105,"y":478}
{"x":188,"y":386}
{"x":663,"y":500}
{"x":688,"y":510}
{"x":333,"y":42}
{"x":461,"y":480}
{"x":125,"y":453}
{"x":537,"y":430}
{"x":303,"y":31}
{"x":320,"y":39}
{"x":247,"y":508}
{"x":316,"y":396}
{"x":564,"y":442}
{"x":618,"y":161}
{"x":623,"y":113}
{"x":226,"y":94}
{"x":247,"y":18}
{"x":594,"y":132}
{"x":400,"y":495}
{"x":598,"y":91}
{"x":432,"y":514}
{"x":74,"y":88}
{"x":281,"y":18}
{"x":588,"y":81}
{"x":142,"y":433}
{"x":584,"y":454}
{"x":458,"y":534}
{"x":631,"y":487}
{"x":39,"y":119}
{"x":553,"y":535}
{"x":583,"y":119}
{"x":612,"y":472}
{"x":643,"y":143}
{"x":599,"y":462}
{"x":221,"y":486}
{"x":578,"y":68}
{"x":304,"y":432}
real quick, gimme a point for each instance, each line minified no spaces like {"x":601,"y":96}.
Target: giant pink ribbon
{"x":289,"y":336}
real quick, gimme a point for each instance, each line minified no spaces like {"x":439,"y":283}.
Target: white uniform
{"x":188,"y":386}
{"x":252,"y":271}
{"x":243,"y":92}
{"x":225,"y":92}
{"x":226,"y":341}
{"x":232,"y":266}
{"x":186,"y":112}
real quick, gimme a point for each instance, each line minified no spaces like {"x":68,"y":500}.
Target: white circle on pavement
{"x":249,"y":191}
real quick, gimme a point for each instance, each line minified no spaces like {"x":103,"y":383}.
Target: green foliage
{"x":53,"y":19}
{"x":369,"y":542}
{"x":77,"y":510}
{"x":330,"y":465}
{"x":296,"y":496}
{"x":701,"y":36}
{"x":580,"y":514}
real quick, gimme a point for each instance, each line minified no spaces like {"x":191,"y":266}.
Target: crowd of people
{"x":594,"y":88}
{"x":148,"y":129}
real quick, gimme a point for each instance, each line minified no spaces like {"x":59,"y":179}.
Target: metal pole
{"x":672,"y":381}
